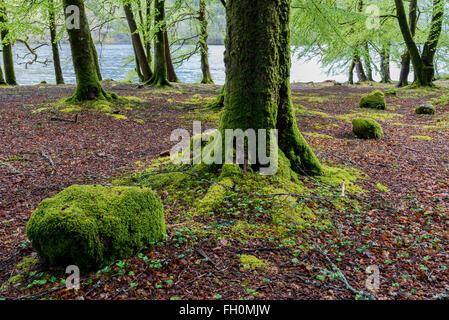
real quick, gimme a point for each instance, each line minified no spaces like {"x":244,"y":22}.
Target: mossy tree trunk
{"x":54,"y":43}
{"x":405,"y":63}
{"x":367,"y":59}
{"x":8,"y":61}
{"x":257,"y":92}
{"x":2,"y":79}
{"x":171,"y":73}
{"x":87,"y":80}
{"x":360,"y":70}
{"x":351,"y":71}
{"x":204,"y":47}
{"x":141,"y":57}
{"x":93,"y":52}
{"x":431,"y":45}
{"x":385,"y":64}
{"x":422,"y":65}
{"x":147,"y":38}
{"x":159,"y":78}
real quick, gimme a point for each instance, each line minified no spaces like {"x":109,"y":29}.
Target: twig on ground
{"x":10,"y":167}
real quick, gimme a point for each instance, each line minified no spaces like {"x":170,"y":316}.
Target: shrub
{"x":92,"y":226}
{"x":374,"y":100}
{"x":367,"y":128}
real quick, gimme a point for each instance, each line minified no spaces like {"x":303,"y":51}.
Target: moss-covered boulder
{"x":374,"y":100}
{"x":425,"y":109}
{"x":91,"y":226}
{"x":366,"y":128}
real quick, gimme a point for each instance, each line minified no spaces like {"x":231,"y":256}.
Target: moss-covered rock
{"x":374,"y":100}
{"x":91,"y":226}
{"x":425,"y":109}
{"x":366,"y":128}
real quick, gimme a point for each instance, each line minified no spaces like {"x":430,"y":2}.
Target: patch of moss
{"x":426,"y":109}
{"x":426,"y":138}
{"x":250,"y":262}
{"x":335,"y":177}
{"x":27,"y":263}
{"x":91,"y":226}
{"x":366,"y":128}
{"x":374,"y":100}
{"x":117,"y":116}
{"x":214,"y":196}
{"x":317,"y":135}
{"x":382,"y":188}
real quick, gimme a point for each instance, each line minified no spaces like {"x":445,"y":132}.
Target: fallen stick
{"x":10,"y":167}
{"x":49,"y":159}
{"x":65,"y":120}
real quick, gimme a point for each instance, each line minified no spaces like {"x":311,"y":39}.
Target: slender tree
{"x":159,"y":77}
{"x":141,"y":57}
{"x":405,"y":63}
{"x":258,"y":93}
{"x":171,"y":73}
{"x":385,"y":64}
{"x":422,"y":64}
{"x":87,"y":80}
{"x":8,"y":61}
{"x":54,"y":43}
{"x":203,"y":38}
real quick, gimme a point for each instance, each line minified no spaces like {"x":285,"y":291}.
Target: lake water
{"x":113,"y":58}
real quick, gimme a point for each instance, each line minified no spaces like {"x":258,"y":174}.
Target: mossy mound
{"x":425,"y":109}
{"x":91,"y":226}
{"x":366,"y":128}
{"x":374,"y":100}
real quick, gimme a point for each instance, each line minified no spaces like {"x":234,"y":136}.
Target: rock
{"x":366,"y":128}
{"x":425,"y":109}
{"x":374,"y":100}
{"x":92,"y":226}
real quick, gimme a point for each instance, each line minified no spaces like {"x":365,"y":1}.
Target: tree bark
{"x":418,"y":65}
{"x":54,"y":43}
{"x":159,"y":78}
{"x":8,"y":61}
{"x":367,"y":59}
{"x":87,"y":80}
{"x":405,"y":63}
{"x":385,"y":64}
{"x":351,"y":71}
{"x":2,"y":80}
{"x":430,"y":47}
{"x":171,"y":73}
{"x":204,"y":47}
{"x":142,"y":60}
{"x":257,"y":92}
{"x":359,"y":68}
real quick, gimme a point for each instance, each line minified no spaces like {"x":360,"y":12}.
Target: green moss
{"x":441,"y":101}
{"x":250,"y":262}
{"x":117,"y":116}
{"x":382,"y":188}
{"x":12,"y":281}
{"x":374,"y":100}
{"x":91,"y":226}
{"x":317,"y":135}
{"x":27,"y":263}
{"x":337,"y":176}
{"x":214,"y":196}
{"x":366,"y":128}
{"x":426,"y":138}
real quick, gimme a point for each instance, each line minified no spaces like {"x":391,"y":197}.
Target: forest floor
{"x":398,"y":222}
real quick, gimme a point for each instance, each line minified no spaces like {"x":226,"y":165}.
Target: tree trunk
{"x":93,"y":52}
{"x":418,"y":65}
{"x":367,"y":59}
{"x":142,"y":61}
{"x":2,"y":80}
{"x":351,"y":71}
{"x":147,"y":38}
{"x":385,"y":64}
{"x":360,"y":71}
{"x":171,"y":73}
{"x":54,"y":43}
{"x":405,"y":63}
{"x":8,"y":61}
{"x":88,"y":83}
{"x":159,"y":78}
{"x":258,"y":93}
{"x":430,"y":47}
{"x":204,"y":47}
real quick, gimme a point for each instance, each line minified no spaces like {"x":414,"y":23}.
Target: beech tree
{"x":257,"y":90}
{"x":8,"y":61}
{"x":86,"y":70}
{"x":203,"y":38}
{"x":54,"y":42}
